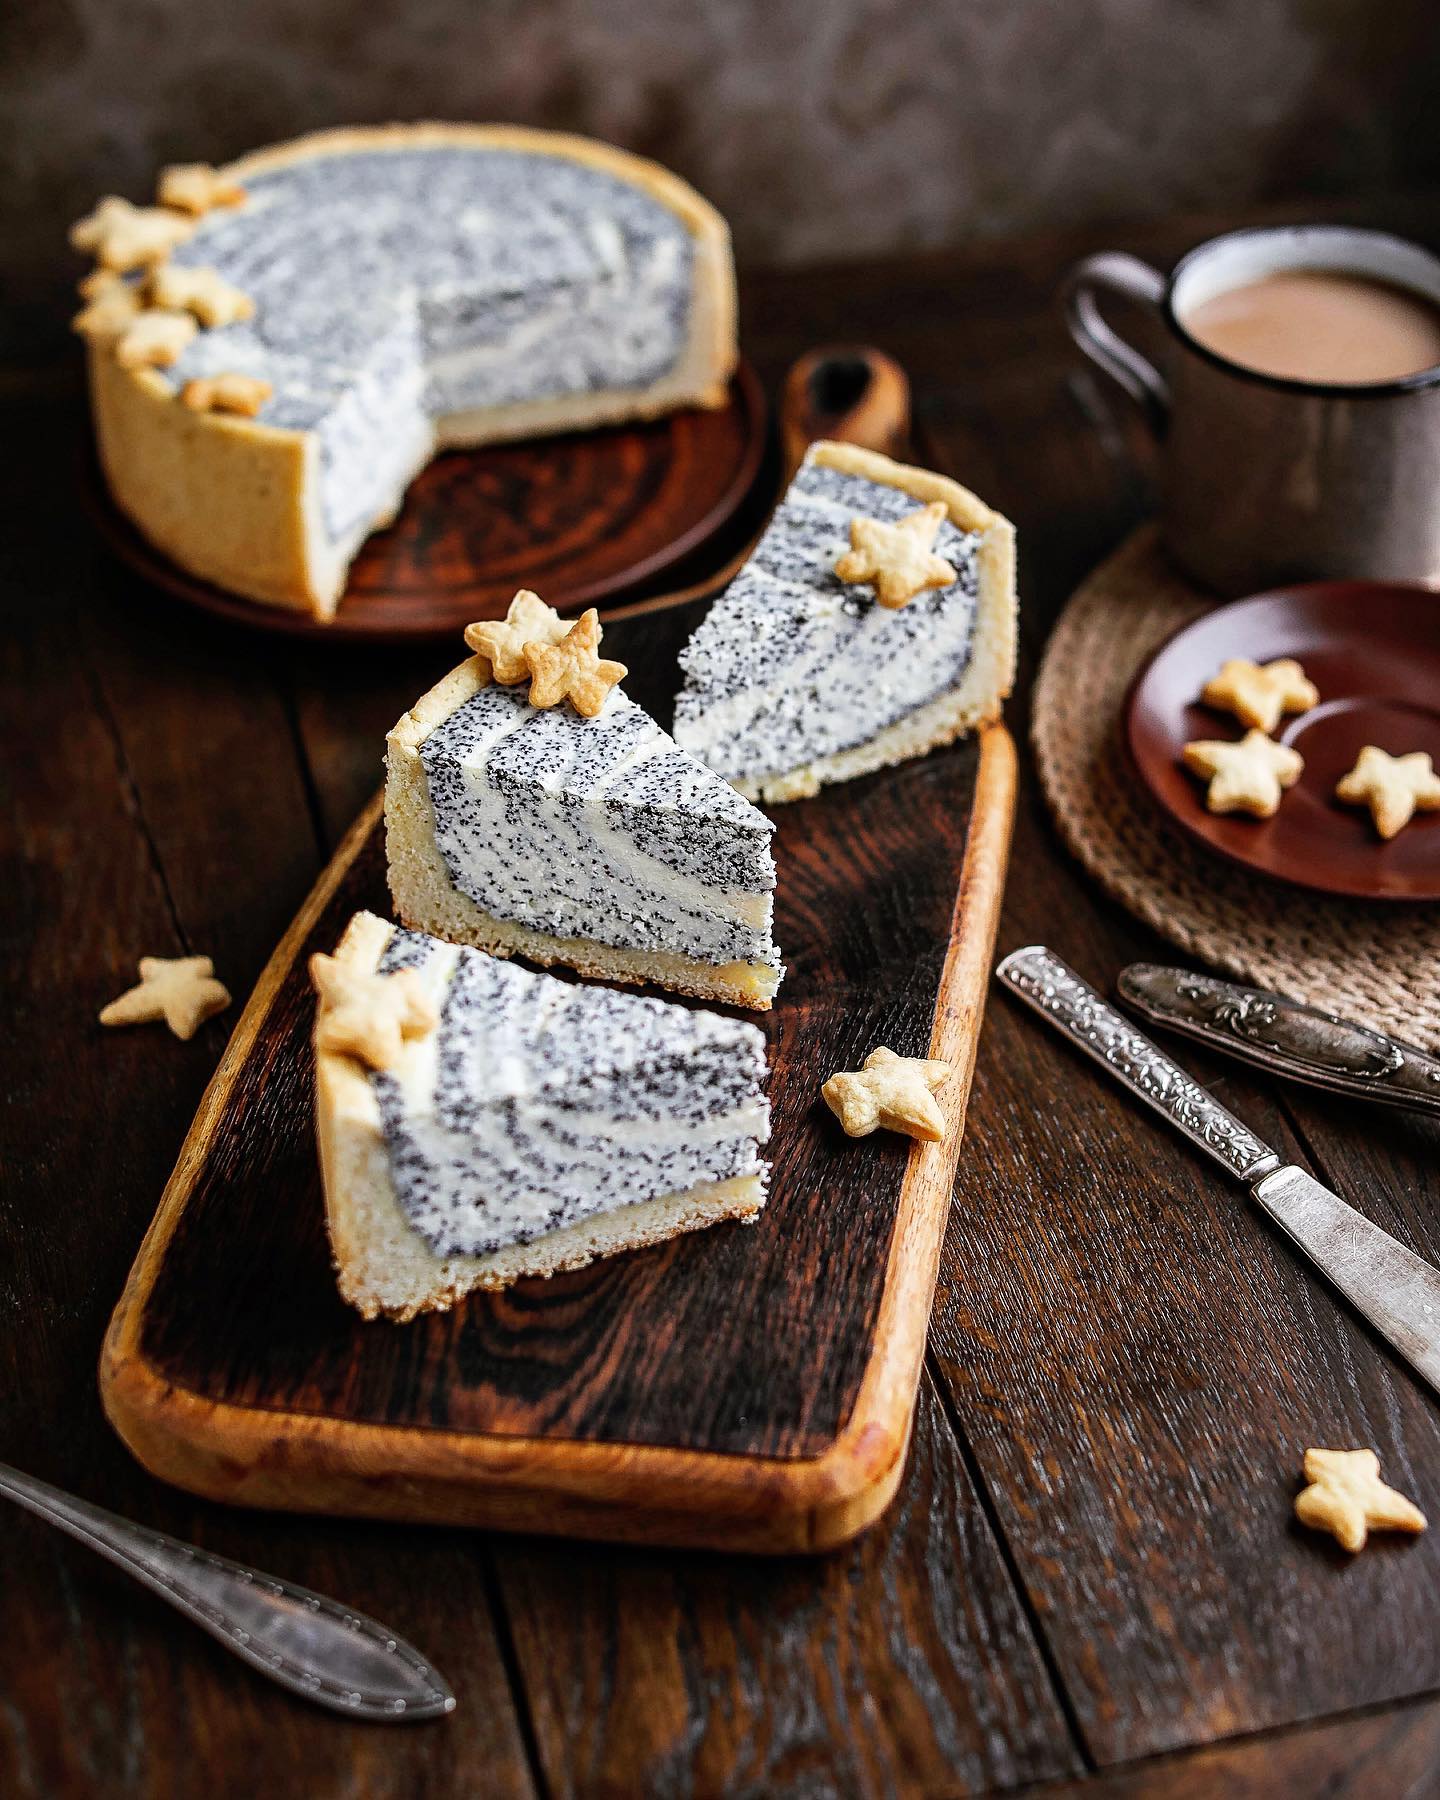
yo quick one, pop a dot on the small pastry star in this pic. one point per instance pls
(181, 990)
(1259, 694)
(367, 1015)
(1347, 1498)
(502, 641)
(196, 187)
(572, 670)
(898, 560)
(1393, 787)
(123, 236)
(204, 292)
(892, 1092)
(109, 311)
(1245, 777)
(154, 340)
(242, 394)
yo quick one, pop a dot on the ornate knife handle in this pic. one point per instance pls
(1284, 1037)
(1058, 994)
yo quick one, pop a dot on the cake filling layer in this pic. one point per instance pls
(645, 848)
(792, 665)
(401, 287)
(537, 1103)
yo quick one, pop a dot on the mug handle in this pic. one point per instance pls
(1114, 272)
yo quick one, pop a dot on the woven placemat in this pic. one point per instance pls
(1374, 962)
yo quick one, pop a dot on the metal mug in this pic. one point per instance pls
(1267, 480)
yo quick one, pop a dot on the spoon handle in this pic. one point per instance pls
(310, 1645)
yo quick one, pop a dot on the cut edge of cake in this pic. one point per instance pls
(384, 1267)
(990, 672)
(233, 500)
(426, 899)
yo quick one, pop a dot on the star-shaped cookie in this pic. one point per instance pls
(122, 236)
(502, 641)
(154, 339)
(1260, 694)
(367, 1015)
(895, 1093)
(1347, 1498)
(204, 292)
(899, 560)
(241, 394)
(1248, 776)
(1395, 788)
(573, 670)
(181, 990)
(196, 188)
(109, 311)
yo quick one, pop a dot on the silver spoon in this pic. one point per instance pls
(309, 1644)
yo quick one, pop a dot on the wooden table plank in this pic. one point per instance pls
(153, 805)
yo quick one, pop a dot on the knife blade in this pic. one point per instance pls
(1392, 1287)
(1303, 1043)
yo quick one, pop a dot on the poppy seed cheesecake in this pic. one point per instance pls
(874, 620)
(590, 841)
(368, 297)
(516, 1124)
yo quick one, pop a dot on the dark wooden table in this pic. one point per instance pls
(1091, 1575)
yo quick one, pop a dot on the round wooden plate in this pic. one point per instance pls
(1373, 650)
(580, 518)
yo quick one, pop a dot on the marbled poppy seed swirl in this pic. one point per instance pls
(791, 664)
(598, 829)
(539, 1103)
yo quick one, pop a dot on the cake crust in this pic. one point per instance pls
(382, 1264)
(234, 501)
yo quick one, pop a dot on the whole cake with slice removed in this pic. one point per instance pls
(557, 821)
(278, 347)
(479, 1122)
(875, 620)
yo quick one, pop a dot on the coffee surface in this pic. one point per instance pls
(1321, 325)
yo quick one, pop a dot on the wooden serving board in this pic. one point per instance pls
(742, 1387)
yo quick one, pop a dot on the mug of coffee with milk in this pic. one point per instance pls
(1299, 409)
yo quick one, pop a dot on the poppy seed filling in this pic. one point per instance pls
(538, 1103)
(598, 829)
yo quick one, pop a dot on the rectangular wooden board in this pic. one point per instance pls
(741, 1387)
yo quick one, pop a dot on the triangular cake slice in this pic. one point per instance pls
(593, 842)
(798, 677)
(527, 1125)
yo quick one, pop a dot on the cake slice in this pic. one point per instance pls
(874, 621)
(524, 827)
(479, 1122)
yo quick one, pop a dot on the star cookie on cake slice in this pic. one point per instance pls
(874, 621)
(1260, 694)
(1248, 776)
(518, 822)
(536, 1125)
(1395, 788)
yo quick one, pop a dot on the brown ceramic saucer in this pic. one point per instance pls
(1373, 650)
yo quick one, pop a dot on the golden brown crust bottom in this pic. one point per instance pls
(231, 499)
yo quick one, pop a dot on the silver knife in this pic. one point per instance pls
(1397, 1291)
(1284, 1037)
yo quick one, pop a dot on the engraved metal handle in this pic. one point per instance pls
(311, 1645)
(1282, 1036)
(1055, 991)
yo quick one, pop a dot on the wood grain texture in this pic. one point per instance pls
(579, 517)
(624, 1399)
